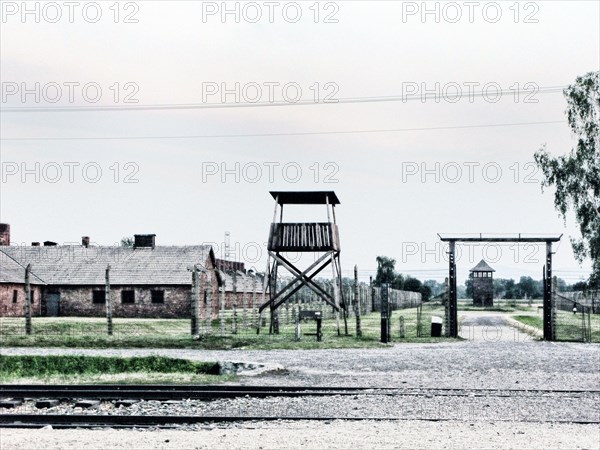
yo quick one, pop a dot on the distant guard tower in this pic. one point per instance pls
(483, 284)
(314, 237)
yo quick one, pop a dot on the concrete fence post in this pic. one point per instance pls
(28, 327)
(209, 308)
(357, 303)
(108, 301)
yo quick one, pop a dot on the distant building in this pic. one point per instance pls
(483, 284)
(242, 287)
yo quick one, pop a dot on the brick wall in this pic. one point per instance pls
(10, 309)
(78, 300)
(239, 298)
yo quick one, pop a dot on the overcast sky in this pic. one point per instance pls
(445, 169)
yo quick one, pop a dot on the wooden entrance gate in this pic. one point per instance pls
(451, 304)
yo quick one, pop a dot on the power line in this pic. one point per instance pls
(424, 97)
(308, 133)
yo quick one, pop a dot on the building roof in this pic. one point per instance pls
(78, 265)
(13, 272)
(482, 267)
(305, 197)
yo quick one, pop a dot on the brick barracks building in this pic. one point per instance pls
(146, 280)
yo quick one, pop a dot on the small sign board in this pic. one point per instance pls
(310, 314)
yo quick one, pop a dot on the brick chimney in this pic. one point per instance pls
(85, 241)
(144, 240)
(4, 234)
(35, 244)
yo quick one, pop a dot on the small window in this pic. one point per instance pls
(32, 297)
(15, 296)
(128, 296)
(98, 297)
(158, 296)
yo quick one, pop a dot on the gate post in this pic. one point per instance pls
(452, 297)
(549, 331)
(446, 308)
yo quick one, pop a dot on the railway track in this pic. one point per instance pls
(209, 392)
(132, 394)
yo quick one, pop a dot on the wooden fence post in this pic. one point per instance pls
(27, 300)
(108, 302)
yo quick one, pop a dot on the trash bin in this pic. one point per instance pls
(436, 326)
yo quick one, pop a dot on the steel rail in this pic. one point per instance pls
(180, 392)
(119, 421)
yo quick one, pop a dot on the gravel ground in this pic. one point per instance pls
(468, 364)
(512, 361)
(319, 435)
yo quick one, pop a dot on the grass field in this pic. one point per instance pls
(568, 325)
(96, 369)
(79, 332)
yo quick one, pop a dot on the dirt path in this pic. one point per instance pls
(483, 326)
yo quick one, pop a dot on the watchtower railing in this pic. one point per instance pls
(304, 237)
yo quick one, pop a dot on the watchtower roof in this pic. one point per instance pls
(305, 197)
(482, 267)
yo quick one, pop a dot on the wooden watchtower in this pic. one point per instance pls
(482, 276)
(304, 237)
